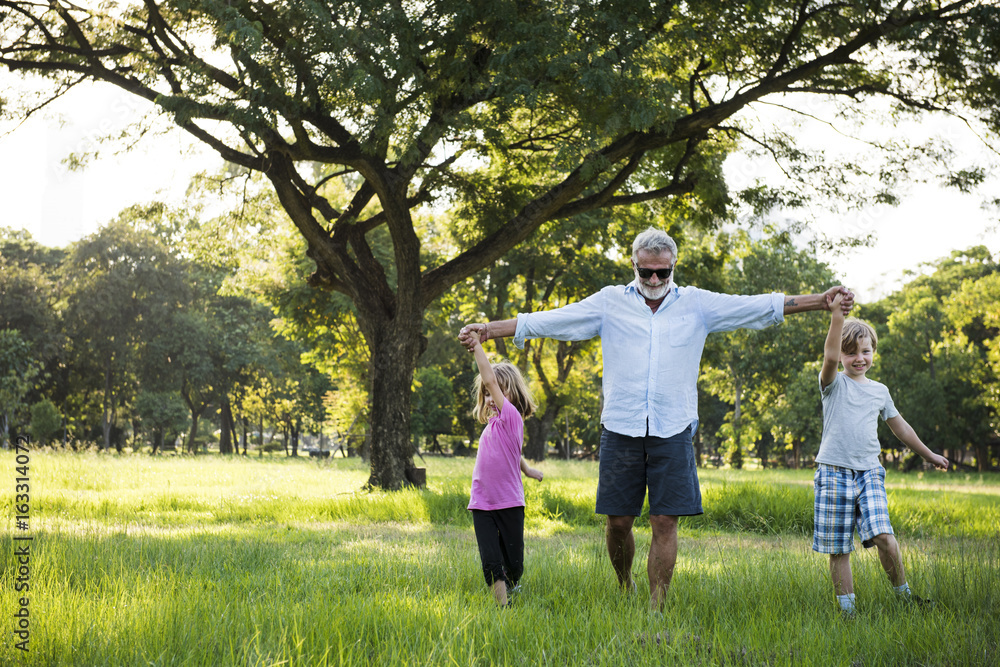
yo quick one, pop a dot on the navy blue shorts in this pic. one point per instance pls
(665, 466)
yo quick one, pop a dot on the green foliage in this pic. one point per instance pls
(27, 296)
(509, 116)
(17, 372)
(162, 412)
(796, 416)
(125, 288)
(432, 403)
(751, 370)
(46, 421)
(935, 354)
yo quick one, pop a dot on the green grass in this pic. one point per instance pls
(139, 560)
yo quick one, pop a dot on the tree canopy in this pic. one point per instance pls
(500, 116)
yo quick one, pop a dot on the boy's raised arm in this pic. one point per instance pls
(831, 349)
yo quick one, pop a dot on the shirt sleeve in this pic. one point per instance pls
(577, 321)
(510, 427)
(888, 410)
(725, 312)
(830, 388)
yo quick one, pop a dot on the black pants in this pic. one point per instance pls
(500, 535)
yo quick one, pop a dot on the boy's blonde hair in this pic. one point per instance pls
(854, 331)
(513, 386)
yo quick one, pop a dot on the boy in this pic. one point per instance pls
(849, 480)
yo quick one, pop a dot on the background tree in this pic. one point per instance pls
(163, 415)
(46, 421)
(432, 407)
(28, 298)
(750, 369)
(974, 312)
(511, 113)
(123, 287)
(17, 372)
(796, 415)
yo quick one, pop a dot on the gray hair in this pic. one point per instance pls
(654, 241)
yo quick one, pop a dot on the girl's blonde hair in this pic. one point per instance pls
(854, 332)
(512, 385)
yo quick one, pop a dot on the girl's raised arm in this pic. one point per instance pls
(487, 375)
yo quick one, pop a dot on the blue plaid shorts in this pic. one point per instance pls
(847, 500)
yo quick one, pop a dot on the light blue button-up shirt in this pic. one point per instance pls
(651, 360)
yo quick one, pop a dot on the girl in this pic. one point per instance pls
(503, 402)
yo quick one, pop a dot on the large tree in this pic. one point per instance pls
(510, 113)
(123, 290)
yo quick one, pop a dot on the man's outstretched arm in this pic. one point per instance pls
(805, 302)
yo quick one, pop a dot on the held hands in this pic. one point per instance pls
(846, 300)
(471, 335)
(834, 304)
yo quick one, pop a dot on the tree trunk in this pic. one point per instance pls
(225, 426)
(699, 453)
(395, 350)
(107, 417)
(567, 444)
(192, 436)
(538, 429)
(196, 412)
(736, 459)
(764, 449)
(982, 458)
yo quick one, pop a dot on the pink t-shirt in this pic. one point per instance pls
(496, 479)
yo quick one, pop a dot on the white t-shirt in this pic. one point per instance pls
(850, 422)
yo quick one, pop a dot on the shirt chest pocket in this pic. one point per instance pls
(682, 330)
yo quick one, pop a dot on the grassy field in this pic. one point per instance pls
(136, 560)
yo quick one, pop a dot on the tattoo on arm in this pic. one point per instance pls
(791, 302)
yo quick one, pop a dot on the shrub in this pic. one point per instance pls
(46, 420)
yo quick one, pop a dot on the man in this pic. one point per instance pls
(652, 336)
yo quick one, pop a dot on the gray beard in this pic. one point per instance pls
(653, 293)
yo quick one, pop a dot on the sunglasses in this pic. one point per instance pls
(646, 274)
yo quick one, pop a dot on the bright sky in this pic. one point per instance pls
(58, 206)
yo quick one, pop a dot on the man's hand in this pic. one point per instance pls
(846, 302)
(471, 334)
